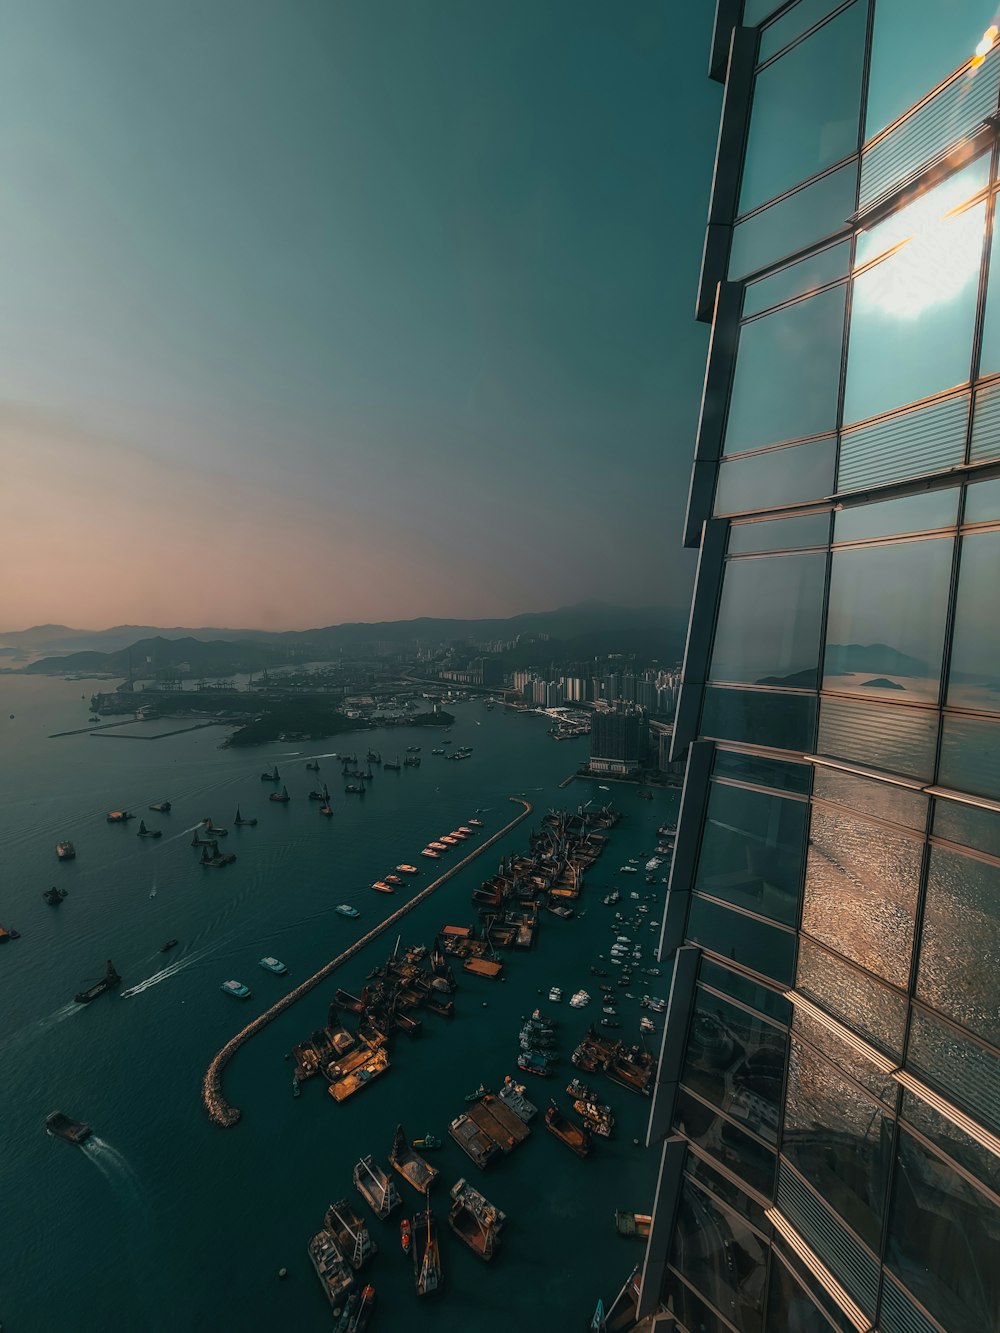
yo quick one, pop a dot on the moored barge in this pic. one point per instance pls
(574, 1136)
(335, 1274)
(475, 1221)
(410, 1165)
(376, 1187)
(351, 1232)
(426, 1254)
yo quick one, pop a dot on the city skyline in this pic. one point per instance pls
(316, 318)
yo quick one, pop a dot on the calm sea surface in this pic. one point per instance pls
(167, 1222)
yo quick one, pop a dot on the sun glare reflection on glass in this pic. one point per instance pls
(935, 265)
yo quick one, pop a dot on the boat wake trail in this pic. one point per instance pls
(166, 973)
(115, 1169)
(34, 1030)
(183, 833)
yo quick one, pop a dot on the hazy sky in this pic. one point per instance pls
(323, 310)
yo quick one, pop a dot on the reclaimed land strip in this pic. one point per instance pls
(160, 735)
(94, 729)
(212, 1095)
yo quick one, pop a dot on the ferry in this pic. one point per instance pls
(408, 870)
(65, 851)
(345, 909)
(429, 852)
(62, 1126)
(273, 965)
(380, 886)
(236, 989)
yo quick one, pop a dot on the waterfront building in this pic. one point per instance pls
(617, 740)
(827, 1110)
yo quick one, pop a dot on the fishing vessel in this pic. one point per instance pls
(428, 1141)
(474, 1220)
(110, 979)
(145, 832)
(410, 1165)
(62, 1126)
(240, 822)
(273, 965)
(345, 909)
(426, 1254)
(161, 807)
(351, 1232)
(273, 776)
(54, 896)
(513, 1095)
(574, 1136)
(534, 1062)
(65, 851)
(633, 1224)
(596, 1117)
(236, 989)
(118, 816)
(481, 1091)
(376, 1187)
(281, 796)
(404, 1234)
(334, 1272)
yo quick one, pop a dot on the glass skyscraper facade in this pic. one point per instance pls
(828, 1103)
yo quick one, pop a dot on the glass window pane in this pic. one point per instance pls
(926, 210)
(895, 518)
(839, 1139)
(789, 1307)
(963, 1071)
(781, 534)
(743, 1155)
(689, 1308)
(860, 1002)
(912, 318)
(942, 1241)
(982, 502)
(791, 24)
(768, 626)
(769, 1002)
(751, 851)
(974, 681)
(960, 942)
(725, 1190)
(763, 772)
(967, 825)
(970, 756)
(983, 1164)
(736, 1062)
(775, 478)
(910, 57)
(876, 735)
(798, 279)
(840, 1053)
(989, 360)
(721, 1257)
(860, 893)
(880, 800)
(885, 627)
(753, 944)
(793, 133)
(760, 717)
(803, 219)
(787, 374)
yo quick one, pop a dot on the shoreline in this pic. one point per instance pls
(220, 1111)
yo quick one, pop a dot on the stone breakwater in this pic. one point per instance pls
(212, 1095)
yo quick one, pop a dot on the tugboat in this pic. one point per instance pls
(54, 896)
(273, 965)
(481, 1091)
(428, 1141)
(404, 1234)
(110, 979)
(65, 851)
(281, 796)
(426, 1254)
(574, 1136)
(273, 776)
(62, 1126)
(145, 832)
(161, 807)
(236, 989)
(240, 822)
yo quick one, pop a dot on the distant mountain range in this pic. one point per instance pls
(582, 630)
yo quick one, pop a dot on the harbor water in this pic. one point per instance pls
(165, 1221)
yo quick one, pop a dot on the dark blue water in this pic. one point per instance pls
(167, 1221)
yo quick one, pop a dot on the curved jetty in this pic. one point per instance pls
(211, 1086)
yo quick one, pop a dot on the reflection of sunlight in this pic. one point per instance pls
(935, 265)
(924, 211)
(985, 46)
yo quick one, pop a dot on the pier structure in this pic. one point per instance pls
(213, 1097)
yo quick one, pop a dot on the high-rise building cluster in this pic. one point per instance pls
(655, 691)
(827, 1111)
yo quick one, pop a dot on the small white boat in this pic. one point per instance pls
(555, 994)
(628, 870)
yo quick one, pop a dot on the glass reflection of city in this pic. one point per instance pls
(828, 1108)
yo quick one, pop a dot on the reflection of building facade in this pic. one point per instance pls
(828, 1104)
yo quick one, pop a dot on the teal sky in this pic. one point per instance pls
(317, 310)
